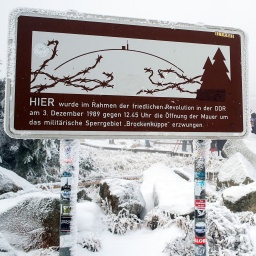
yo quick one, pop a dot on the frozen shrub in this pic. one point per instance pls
(90, 193)
(184, 223)
(247, 217)
(106, 207)
(182, 245)
(86, 165)
(120, 163)
(52, 251)
(152, 221)
(225, 232)
(212, 198)
(91, 242)
(158, 218)
(122, 222)
(163, 218)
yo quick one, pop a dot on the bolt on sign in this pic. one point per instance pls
(74, 75)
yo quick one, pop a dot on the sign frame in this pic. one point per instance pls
(221, 33)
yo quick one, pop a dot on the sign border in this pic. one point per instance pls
(39, 134)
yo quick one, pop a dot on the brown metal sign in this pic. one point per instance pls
(89, 76)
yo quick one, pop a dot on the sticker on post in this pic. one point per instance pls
(200, 229)
(200, 204)
(200, 189)
(65, 210)
(65, 224)
(200, 250)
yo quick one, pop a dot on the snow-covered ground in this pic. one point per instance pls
(154, 171)
(161, 145)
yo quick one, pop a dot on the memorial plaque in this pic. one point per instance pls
(93, 76)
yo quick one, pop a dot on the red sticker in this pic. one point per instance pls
(200, 204)
(200, 240)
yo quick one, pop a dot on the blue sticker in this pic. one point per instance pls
(200, 229)
(65, 195)
(200, 175)
(66, 174)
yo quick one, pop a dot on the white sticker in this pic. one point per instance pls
(41, 50)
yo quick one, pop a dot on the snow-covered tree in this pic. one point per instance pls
(36, 160)
(32, 158)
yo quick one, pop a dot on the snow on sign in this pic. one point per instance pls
(78, 75)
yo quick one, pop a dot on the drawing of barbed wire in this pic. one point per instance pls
(77, 80)
(163, 86)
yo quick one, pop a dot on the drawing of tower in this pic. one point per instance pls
(125, 47)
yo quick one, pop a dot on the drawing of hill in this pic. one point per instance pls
(117, 66)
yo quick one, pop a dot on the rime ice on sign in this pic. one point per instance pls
(41, 50)
(109, 61)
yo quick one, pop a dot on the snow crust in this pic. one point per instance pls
(246, 146)
(123, 188)
(5, 247)
(139, 242)
(250, 141)
(6, 204)
(89, 216)
(233, 194)
(237, 168)
(7, 177)
(170, 146)
(253, 234)
(163, 187)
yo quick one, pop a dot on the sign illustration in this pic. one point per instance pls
(124, 70)
(124, 78)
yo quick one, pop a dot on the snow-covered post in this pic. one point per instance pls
(69, 168)
(201, 155)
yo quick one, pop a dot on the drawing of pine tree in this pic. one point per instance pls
(207, 77)
(215, 80)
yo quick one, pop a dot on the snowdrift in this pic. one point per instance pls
(11, 182)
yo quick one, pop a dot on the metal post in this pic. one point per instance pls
(201, 150)
(69, 168)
